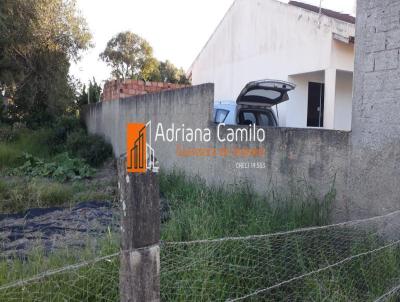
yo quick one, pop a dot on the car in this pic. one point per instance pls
(254, 104)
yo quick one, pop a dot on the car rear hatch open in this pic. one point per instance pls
(265, 92)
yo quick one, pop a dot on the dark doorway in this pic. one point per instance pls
(316, 92)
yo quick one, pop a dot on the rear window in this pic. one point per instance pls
(259, 118)
(249, 118)
(269, 94)
(266, 119)
(220, 115)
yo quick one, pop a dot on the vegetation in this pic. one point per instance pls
(49, 144)
(63, 168)
(97, 282)
(39, 39)
(51, 166)
(198, 212)
(18, 194)
(88, 95)
(131, 57)
(221, 270)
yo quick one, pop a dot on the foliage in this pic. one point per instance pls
(63, 168)
(38, 40)
(171, 74)
(22, 140)
(56, 136)
(94, 91)
(66, 135)
(8, 134)
(92, 148)
(131, 57)
(9, 157)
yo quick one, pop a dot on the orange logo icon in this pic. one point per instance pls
(136, 160)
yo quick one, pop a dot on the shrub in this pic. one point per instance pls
(56, 136)
(63, 168)
(92, 148)
(9, 157)
(8, 134)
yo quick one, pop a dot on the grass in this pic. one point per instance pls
(28, 141)
(23, 186)
(201, 212)
(18, 194)
(94, 282)
(217, 271)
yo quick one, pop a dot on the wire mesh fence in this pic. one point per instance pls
(352, 261)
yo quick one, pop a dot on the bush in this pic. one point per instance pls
(9, 157)
(8, 134)
(63, 168)
(92, 148)
(57, 136)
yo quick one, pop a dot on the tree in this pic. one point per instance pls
(39, 39)
(171, 74)
(94, 91)
(130, 56)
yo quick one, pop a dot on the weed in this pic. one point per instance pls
(201, 212)
(63, 168)
(18, 194)
(216, 272)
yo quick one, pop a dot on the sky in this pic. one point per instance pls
(176, 29)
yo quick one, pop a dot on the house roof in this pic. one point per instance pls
(326, 12)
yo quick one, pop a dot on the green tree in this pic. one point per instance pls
(130, 56)
(94, 91)
(39, 39)
(171, 74)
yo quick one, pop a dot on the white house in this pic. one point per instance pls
(296, 42)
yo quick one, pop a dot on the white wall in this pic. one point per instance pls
(344, 97)
(297, 107)
(260, 39)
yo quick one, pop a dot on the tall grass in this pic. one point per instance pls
(201, 212)
(222, 270)
(25, 141)
(94, 282)
(18, 194)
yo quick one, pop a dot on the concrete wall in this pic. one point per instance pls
(269, 39)
(291, 154)
(366, 161)
(375, 160)
(190, 106)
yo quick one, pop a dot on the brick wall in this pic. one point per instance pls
(114, 90)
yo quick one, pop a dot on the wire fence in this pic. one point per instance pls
(351, 261)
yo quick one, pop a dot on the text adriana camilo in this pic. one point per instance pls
(224, 134)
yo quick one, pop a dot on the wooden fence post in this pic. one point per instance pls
(139, 277)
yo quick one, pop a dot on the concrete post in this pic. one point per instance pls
(140, 235)
(330, 97)
(375, 150)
